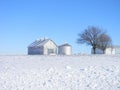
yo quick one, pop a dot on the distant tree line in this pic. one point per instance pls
(95, 37)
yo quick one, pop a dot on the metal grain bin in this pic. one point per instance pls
(65, 49)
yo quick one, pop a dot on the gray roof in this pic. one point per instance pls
(39, 43)
(66, 44)
(115, 46)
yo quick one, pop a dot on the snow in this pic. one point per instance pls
(82, 72)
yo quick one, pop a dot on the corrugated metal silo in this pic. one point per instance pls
(65, 49)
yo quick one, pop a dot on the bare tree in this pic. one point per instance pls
(104, 41)
(90, 37)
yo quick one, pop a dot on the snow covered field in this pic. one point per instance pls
(84, 72)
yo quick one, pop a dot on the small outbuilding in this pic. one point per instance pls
(112, 50)
(65, 49)
(42, 47)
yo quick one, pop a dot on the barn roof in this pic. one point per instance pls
(40, 42)
(66, 44)
(115, 46)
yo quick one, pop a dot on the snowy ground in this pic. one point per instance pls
(84, 72)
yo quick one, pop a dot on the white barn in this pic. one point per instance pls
(42, 47)
(109, 50)
(113, 50)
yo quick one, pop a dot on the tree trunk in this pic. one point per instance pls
(104, 51)
(94, 50)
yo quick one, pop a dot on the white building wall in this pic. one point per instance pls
(110, 51)
(50, 45)
(117, 51)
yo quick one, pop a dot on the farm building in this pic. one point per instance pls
(109, 50)
(113, 50)
(65, 49)
(42, 47)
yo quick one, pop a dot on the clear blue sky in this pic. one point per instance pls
(23, 21)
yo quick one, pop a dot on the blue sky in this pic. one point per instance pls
(23, 21)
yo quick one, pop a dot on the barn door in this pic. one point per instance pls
(50, 51)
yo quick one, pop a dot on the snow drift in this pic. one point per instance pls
(84, 72)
